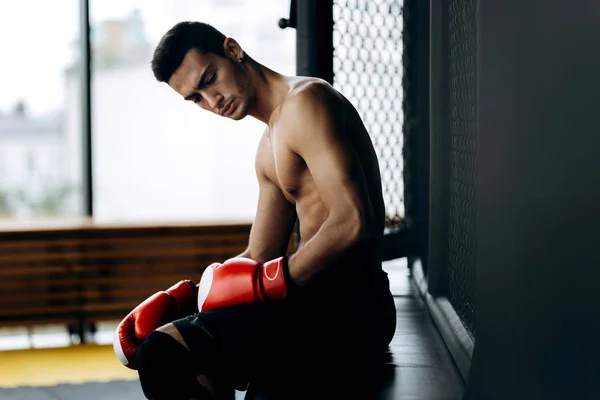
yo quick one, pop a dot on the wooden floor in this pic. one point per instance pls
(423, 367)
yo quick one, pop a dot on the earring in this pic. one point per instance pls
(242, 59)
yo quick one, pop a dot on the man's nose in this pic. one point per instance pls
(214, 100)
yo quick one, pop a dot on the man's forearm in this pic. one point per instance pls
(245, 254)
(323, 249)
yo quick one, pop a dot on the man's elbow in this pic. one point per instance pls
(355, 229)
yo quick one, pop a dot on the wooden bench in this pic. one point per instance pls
(87, 273)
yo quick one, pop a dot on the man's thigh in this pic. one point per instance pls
(299, 336)
(235, 340)
(258, 338)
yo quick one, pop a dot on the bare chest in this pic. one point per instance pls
(289, 170)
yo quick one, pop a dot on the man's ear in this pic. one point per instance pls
(233, 50)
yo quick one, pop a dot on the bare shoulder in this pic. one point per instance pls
(307, 87)
(310, 94)
(310, 105)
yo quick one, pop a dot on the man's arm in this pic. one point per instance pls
(309, 129)
(275, 216)
(314, 134)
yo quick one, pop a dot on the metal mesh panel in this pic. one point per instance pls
(368, 70)
(461, 57)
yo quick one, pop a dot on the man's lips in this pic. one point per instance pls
(227, 108)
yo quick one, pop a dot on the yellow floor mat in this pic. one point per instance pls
(51, 366)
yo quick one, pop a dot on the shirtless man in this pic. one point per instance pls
(285, 323)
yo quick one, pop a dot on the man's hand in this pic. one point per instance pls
(241, 281)
(162, 307)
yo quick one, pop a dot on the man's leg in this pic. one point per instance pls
(218, 387)
(215, 349)
(167, 370)
(327, 337)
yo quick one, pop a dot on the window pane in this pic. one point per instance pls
(157, 157)
(40, 125)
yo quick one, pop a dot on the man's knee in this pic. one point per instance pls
(166, 368)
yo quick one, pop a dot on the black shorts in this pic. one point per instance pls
(321, 327)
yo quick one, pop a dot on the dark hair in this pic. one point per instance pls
(181, 38)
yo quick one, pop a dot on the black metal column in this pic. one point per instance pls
(86, 119)
(314, 38)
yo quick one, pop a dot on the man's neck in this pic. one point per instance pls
(271, 88)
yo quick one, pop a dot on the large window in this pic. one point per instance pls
(156, 157)
(40, 125)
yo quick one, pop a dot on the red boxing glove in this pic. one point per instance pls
(162, 307)
(242, 281)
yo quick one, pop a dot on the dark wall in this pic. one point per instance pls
(454, 155)
(538, 269)
(460, 166)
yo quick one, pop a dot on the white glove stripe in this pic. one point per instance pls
(204, 286)
(119, 350)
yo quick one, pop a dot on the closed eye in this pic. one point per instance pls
(196, 98)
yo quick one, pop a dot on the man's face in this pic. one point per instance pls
(217, 84)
